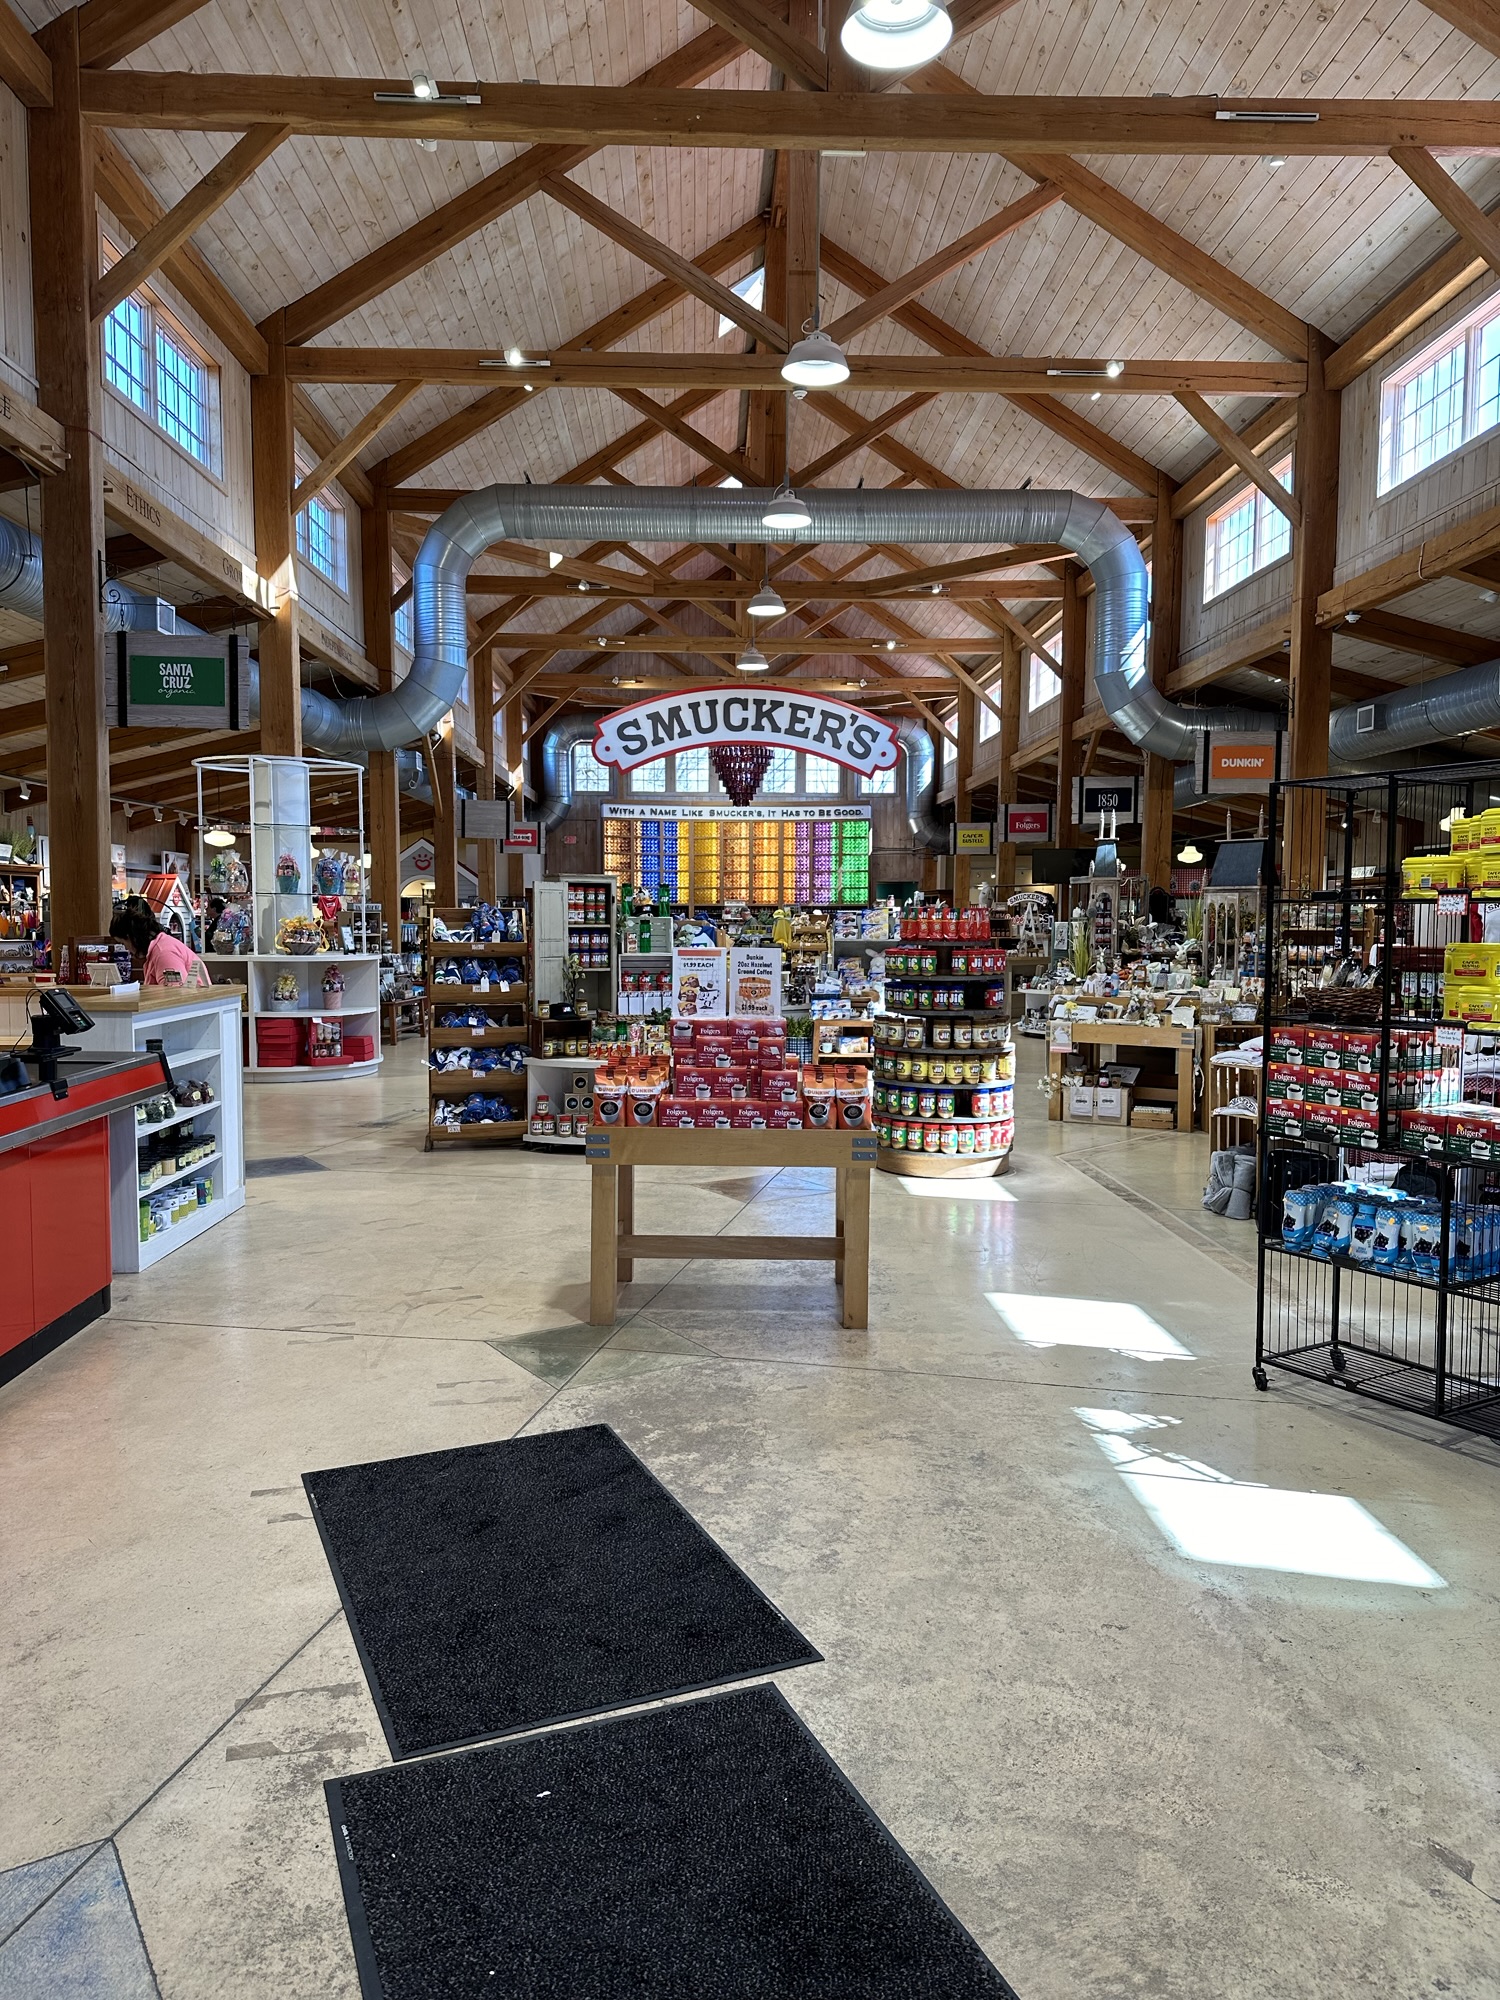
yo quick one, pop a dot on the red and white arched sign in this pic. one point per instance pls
(780, 718)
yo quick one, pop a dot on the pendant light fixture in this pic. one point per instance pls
(753, 660)
(766, 603)
(1189, 855)
(816, 361)
(785, 510)
(896, 34)
(218, 836)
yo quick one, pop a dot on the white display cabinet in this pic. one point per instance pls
(278, 847)
(574, 917)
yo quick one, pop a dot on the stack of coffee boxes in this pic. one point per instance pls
(1324, 1083)
(732, 1075)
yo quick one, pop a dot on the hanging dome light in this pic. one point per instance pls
(218, 836)
(785, 510)
(1189, 855)
(753, 661)
(766, 603)
(816, 361)
(896, 34)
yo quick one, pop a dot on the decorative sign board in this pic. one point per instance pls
(193, 681)
(1028, 823)
(483, 819)
(973, 837)
(1105, 798)
(779, 718)
(665, 809)
(1233, 765)
(700, 984)
(755, 982)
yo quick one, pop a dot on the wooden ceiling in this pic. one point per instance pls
(1196, 252)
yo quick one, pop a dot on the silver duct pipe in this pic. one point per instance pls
(920, 761)
(1407, 718)
(557, 768)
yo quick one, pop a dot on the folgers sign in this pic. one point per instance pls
(780, 718)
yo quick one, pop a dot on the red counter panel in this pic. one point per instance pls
(70, 1258)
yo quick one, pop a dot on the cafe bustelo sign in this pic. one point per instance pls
(779, 718)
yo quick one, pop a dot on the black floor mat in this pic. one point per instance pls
(503, 1586)
(283, 1163)
(710, 1850)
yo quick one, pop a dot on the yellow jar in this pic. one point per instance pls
(921, 1069)
(938, 1070)
(903, 1069)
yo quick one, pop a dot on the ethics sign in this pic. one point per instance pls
(780, 718)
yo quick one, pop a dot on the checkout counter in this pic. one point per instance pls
(55, 1224)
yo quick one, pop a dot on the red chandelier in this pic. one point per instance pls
(741, 766)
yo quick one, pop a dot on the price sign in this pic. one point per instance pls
(1452, 906)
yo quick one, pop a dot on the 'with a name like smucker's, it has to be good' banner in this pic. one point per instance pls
(779, 718)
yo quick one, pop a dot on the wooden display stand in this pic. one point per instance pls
(503, 1005)
(614, 1154)
(1124, 1035)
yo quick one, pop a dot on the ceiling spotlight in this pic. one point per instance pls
(422, 86)
(218, 836)
(766, 603)
(583, 584)
(1114, 370)
(1189, 855)
(896, 34)
(890, 645)
(816, 361)
(1094, 397)
(753, 661)
(937, 589)
(785, 510)
(428, 145)
(1277, 161)
(156, 814)
(25, 793)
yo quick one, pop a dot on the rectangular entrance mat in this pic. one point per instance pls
(500, 1587)
(708, 1850)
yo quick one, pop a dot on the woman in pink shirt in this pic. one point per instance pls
(168, 961)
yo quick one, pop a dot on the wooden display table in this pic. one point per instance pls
(1124, 1035)
(615, 1153)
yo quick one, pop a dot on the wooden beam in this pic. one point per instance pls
(30, 433)
(347, 449)
(177, 540)
(456, 220)
(1230, 443)
(1438, 283)
(1415, 635)
(877, 427)
(24, 67)
(315, 430)
(1314, 552)
(123, 190)
(1443, 554)
(878, 305)
(1043, 375)
(63, 257)
(662, 420)
(273, 462)
(645, 640)
(109, 30)
(1270, 427)
(1475, 18)
(1231, 656)
(1009, 743)
(945, 338)
(617, 325)
(482, 583)
(682, 271)
(177, 225)
(1480, 231)
(758, 27)
(640, 115)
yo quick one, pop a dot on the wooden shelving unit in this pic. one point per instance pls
(506, 1009)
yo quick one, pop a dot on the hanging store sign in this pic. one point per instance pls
(483, 819)
(779, 718)
(193, 681)
(973, 837)
(1236, 764)
(1028, 823)
(1105, 798)
(666, 808)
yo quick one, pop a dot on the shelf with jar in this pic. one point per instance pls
(477, 976)
(944, 1058)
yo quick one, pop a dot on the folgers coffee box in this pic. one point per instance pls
(1360, 1126)
(751, 1117)
(784, 1118)
(1285, 1083)
(1324, 1086)
(1284, 1118)
(1286, 1045)
(675, 1112)
(1359, 1093)
(1323, 1048)
(1323, 1121)
(1473, 1134)
(716, 1115)
(780, 1086)
(1424, 1132)
(1361, 1054)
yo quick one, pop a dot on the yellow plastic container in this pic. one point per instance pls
(1489, 826)
(1464, 833)
(1470, 1003)
(1482, 866)
(1434, 874)
(1468, 963)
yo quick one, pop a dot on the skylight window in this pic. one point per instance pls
(752, 289)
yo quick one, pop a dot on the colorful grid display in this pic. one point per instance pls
(764, 862)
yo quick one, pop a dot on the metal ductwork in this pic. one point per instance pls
(1408, 718)
(919, 761)
(557, 767)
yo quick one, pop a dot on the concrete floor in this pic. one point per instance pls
(1129, 1770)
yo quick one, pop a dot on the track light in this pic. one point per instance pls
(25, 793)
(156, 814)
(816, 361)
(1114, 370)
(766, 603)
(422, 86)
(554, 557)
(753, 661)
(784, 510)
(896, 34)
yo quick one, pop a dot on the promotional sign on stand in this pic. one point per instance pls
(755, 982)
(700, 984)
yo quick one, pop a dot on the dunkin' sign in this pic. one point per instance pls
(780, 718)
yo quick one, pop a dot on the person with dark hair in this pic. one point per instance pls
(165, 960)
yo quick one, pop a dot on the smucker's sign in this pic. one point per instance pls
(780, 718)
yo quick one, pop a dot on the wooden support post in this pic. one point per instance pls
(1074, 664)
(380, 650)
(445, 821)
(1010, 743)
(515, 767)
(801, 241)
(765, 422)
(482, 681)
(274, 475)
(1166, 631)
(64, 257)
(1314, 549)
(962, 789)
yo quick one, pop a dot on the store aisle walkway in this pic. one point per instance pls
(1171, 1688)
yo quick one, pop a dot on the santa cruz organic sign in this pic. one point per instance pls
(780, 718)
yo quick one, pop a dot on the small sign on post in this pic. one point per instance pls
(193, 681)
(973, 837)
(1028, 823)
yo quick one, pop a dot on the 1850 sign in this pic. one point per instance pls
(779, 718)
